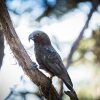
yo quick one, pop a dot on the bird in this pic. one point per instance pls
(48, 58)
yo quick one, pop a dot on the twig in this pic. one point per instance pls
(60, 88)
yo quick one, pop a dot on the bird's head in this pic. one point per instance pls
(39, 37)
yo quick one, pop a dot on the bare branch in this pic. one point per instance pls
(60, 88)
(76, 42)
(22, 57)
(1, 48)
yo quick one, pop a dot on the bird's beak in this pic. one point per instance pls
(31, 37)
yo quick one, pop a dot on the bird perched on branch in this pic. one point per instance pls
(48, 59)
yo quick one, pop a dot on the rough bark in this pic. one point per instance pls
(1, 48)
(29, 67)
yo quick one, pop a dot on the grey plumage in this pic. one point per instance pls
(48, 58)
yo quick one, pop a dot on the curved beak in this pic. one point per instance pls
(31, 37)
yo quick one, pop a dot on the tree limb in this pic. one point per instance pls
(1, 48)
(22, 57)
(95, 4)
(60, 88)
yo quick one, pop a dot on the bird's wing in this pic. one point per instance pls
(53, 62)
(55, 65)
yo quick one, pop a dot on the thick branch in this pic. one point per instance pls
(1, 48)
(95, 4)
(22, 57)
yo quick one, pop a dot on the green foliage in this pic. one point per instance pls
(89, 45)
(86, 45)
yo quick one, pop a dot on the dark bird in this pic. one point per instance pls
(48, 59)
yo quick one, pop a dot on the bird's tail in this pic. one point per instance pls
(72, 95)
(66, 79)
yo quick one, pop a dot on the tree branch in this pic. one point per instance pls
(60, 88)
(22, 57)
(95, 4)
(1, 48)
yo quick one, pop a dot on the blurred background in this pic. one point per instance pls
(74, 29)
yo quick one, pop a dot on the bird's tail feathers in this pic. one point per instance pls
(66, 79)
(68, 83)
(72, 95)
